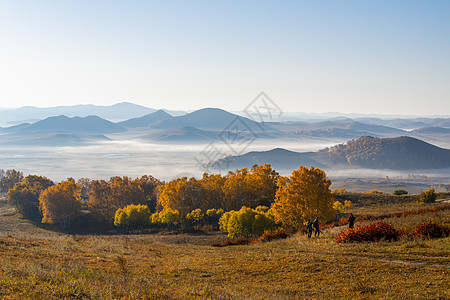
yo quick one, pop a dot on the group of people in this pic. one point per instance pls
(314, 226)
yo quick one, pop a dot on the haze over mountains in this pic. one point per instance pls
(86, 124)
(116, 113)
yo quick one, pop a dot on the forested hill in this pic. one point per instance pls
(391, 153)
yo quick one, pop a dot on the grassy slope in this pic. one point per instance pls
(39, 265)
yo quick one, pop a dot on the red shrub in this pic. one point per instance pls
(431, 229)
(372, 232)
(239, 241)
(276, 234)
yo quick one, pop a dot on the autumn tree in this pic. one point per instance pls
(132, 217)
(9, 178)
(61, 203)
(85, 187)
(250, 188)
(25, 194)
(263, 182)
(239, 188)
(213, 215)
(106, 197)
(181, 194)
(304, 195)
(213, 196)
(167, 216)
(148, 186)
(247, 222)
(195, 216)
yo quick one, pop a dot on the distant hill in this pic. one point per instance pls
(209, 119)
(432, 130)
(115, 113)
(400, 153)
(408, 123)
(279, 158)
(186, 134)
(146, 120)
(86, 125)
(343, 128)
(50, 139)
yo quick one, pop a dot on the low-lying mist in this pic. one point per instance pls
(136, 158)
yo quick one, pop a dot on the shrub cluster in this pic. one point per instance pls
(428, 196)
(384, 231)
(372, 232)
(267, 236)
(431, 229)
(239, 241)
(276, 234)
(400, 192)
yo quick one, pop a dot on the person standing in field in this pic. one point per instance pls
(309, 228)
(316, 227)
(351, 220)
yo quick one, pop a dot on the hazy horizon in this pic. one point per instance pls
(356, 57)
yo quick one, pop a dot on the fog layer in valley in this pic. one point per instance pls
(163, 161)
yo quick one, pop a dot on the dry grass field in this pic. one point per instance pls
(36, 263)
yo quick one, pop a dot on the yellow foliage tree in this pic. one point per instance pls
(132, 217)
(59, 204)
(304, 195)
(247, 222)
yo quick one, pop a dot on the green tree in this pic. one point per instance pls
(304, 195)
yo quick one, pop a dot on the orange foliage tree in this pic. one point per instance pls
(181, 194)
(25, 194)
(250, 188)
(239, 188)
(304, 195)
(61, 203)
(106, 197)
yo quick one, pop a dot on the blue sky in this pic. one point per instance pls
(308, 56)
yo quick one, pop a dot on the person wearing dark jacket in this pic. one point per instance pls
(316, 227)
(309, 228)
(351, 221)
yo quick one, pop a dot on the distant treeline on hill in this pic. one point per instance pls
(391, 153)
(401, 153)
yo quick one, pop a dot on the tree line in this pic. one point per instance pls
(243, 202)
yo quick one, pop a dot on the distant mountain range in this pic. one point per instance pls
(201, 126)
(117, 112)
(401, 153)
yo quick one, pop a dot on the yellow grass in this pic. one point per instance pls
(38, 265)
